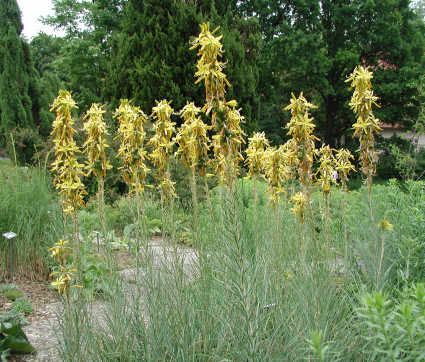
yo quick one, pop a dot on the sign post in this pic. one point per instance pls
(10, 236)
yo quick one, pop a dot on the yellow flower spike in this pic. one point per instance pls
(385, 225)
(162, 144)
(366, 125)
(209, 68)
(275, 171)
(132, 148)
(300, 205)
(301, 128)
(96, 142)
(225, 118)
(192, 139)
(343, 164)
(64, 279)
(67, 169)
(326, 170)
(255, 153)
(61, 252)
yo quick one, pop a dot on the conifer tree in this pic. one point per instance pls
(153, 59)
(19, 81)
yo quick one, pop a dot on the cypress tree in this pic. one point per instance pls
(19, 81)
(153, 61)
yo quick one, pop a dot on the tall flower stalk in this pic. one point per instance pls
(134, 156)
(385, 226)
(67, 170)
(193, 146)
(343, 168)
(226, 119)
(255, 156)
(162, 145)
(301, 128)
(366, 126)
(97, 162)
(325, 176)
(276, 172)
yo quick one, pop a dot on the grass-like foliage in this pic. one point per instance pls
(29, 210)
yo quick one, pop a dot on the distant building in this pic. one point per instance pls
(388, 130)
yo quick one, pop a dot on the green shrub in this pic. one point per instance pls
(394, 330)
(23, 305)
(14, 317)
(12, 294)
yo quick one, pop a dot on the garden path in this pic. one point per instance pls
(44, 333)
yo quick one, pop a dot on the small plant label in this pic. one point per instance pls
(9, 235)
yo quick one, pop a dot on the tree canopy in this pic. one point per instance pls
(312, 46)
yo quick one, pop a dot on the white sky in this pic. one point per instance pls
(31, 11)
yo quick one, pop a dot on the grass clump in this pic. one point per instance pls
(13, 294)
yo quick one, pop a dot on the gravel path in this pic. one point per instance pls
(43, 334)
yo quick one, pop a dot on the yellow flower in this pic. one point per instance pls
(64, 278)
(60, 251)
(300, 205)
(385, 225)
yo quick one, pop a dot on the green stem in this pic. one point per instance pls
(210, 206)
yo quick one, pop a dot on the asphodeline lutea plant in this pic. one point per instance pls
(162, 144)
(95, 145)
(97, 162)
(300, 205)
(210, 68)
(225, 118)
(67, 170)
(193, 145)
(275, 170)
(132, 149)
(192, 139)
(134, 156)
(343, 168)
(366, 125)
(301, 128)
(67, 178)
(64, 280)
(326, 176)
(64, 276)
(255, 153)
(60, 251)
(255, 156)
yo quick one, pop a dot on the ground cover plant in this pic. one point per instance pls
(290, 264)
